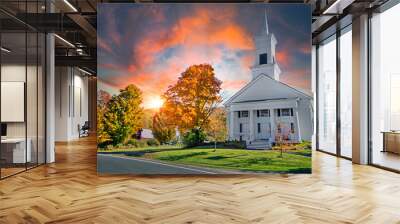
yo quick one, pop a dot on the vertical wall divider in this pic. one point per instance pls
(37, 90)
(338, 91)
(369, 98)
(1, 165)
(45, 94)
(73, 92)
(26, 86)
(317, 97)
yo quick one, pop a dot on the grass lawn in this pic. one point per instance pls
(292, 161)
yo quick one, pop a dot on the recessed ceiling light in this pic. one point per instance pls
(70, 5)
(328, 10)
(5, 50)
(64, 40)
(84, 71)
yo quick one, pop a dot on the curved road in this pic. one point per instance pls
(118, 164)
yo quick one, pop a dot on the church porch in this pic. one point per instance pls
(262, 124)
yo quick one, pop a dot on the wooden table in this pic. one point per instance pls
(13, 150)
(391, 141)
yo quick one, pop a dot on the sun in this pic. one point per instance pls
(156, 102)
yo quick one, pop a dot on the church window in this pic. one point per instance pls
(292, 127)
(291, 112)
(240, 127)
(258, 113)
(245, 113)
(263, 59)
(264, 113)
(285, 112)
(258, 127)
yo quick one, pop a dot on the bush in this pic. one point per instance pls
(109, 147)
(236, 144)
(194, 137)
(133, 142)
(136, 143)
(119, 146)
(304, 145)
(141, 144)
(153, 142)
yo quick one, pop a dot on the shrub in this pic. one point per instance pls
(153, 142)
(119, 146)
(304, 145)
(136, 143)
(194, 137)
(133, 142)
(235, 144)
(109, 147)
(141, 144)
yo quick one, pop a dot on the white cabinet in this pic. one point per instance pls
(19, 155)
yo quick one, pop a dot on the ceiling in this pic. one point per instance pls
(74, 21)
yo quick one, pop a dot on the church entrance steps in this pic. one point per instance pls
(259, 144)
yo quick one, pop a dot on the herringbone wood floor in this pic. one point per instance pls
(70, 191)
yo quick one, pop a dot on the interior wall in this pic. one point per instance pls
(71, 102)
(13, 73)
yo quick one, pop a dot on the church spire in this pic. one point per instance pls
(266, 22)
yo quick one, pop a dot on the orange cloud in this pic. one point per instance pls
(248, 61)
(203, 37)
(297, 77)
(234, 84)
(201, 28)
(283, 58)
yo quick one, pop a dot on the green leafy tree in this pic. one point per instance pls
(194, 137)
(103, 98)
(123, 117)
(163, 131)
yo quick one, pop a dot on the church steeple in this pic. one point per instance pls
(265, 53)
(266, 22)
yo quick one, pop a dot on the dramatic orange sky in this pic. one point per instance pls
(150, 45)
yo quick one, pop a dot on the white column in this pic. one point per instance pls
(360, 90)
(296, 110)
(50, 91)
(231, 124)
(272, 120)
(251, 125)
(50, 107)
(313, 106)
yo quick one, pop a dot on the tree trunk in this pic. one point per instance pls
(215, 143)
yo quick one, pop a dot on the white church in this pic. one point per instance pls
(267, 111)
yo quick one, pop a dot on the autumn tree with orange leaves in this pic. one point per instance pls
(191, 101)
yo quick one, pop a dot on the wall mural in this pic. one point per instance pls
(204, 88)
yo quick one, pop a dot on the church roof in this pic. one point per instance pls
(261, 100)
(265, 88)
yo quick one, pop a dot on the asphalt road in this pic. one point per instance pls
(118, 164)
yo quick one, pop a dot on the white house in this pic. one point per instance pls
(267, 110)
